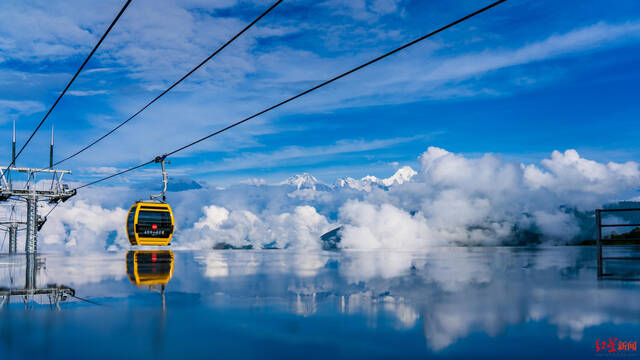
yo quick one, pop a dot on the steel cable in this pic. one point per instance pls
(327, 82)
(113, 23)
(172, 86)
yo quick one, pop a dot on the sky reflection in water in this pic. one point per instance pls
(449, 302)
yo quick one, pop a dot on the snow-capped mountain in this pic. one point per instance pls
(306, 181)
(346, 182)
(403, 175)
(370, 182)
(364, 184)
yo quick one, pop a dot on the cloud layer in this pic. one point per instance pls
(451, 200)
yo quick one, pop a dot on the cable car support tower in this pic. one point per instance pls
(31, 194)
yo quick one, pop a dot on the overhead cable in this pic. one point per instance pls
(172, 86)
(113, 23)
(301, 93)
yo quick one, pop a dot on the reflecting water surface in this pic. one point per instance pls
(445, 303)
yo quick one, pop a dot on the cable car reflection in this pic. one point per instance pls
(150, 268)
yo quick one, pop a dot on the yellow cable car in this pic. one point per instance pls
(149, 268)
(150, 223)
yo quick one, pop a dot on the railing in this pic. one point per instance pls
(599, 239)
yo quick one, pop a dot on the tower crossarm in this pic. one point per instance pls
(34, 170)
(57, 191)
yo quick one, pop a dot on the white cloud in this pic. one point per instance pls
(452, 200)
(79, 226)
(369, 10)
(12, 109)
(589, 38)
(567, 172)
(370, 226)
(158, 41)
(460, 200)
(306, 155)
(300, 229)
(423, 74)
(101, 170)
(87, 92)
(41, 31)
(556, 224)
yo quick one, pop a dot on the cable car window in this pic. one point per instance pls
(155, 217)
(130, 220)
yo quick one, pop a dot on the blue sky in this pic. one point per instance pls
(521, 80)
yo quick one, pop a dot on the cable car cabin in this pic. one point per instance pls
(150, 223)
(147, 267)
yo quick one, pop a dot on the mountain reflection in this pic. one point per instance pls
(446, 294)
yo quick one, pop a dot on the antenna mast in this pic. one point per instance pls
(13, 144)
(51, 150)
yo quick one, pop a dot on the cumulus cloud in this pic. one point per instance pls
(556, 224)
(301, 228)
(568, 172)
(371, 226)
(487, 200)
(85, 227)
(451, 199)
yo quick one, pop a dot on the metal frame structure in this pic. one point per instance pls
(11, 226)
(58, 191)
(599, 239)
(55, 293)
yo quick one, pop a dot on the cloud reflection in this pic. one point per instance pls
(445, 293)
